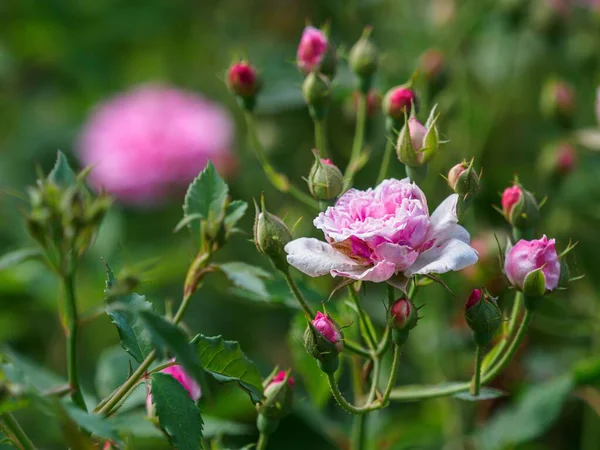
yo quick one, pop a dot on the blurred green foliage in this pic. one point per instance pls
(58, 58)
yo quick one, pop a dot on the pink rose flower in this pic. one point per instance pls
(375, 234)
(328, 329)
(527, 256)
(312, 49)
(188, 383)
(152, 141)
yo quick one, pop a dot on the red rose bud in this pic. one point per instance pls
(463, 180)
(278, 402)
(325, 180)
(519, 207)
(244, 82)
(566, 158)
(324, 340)
(398, 102)
(316, 53)
(558, 101)
(483, 316)
(403, 316)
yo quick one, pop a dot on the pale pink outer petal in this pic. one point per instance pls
(444, 222)
(453, 254)
(315, 258)
(417, 133)
(381, 271)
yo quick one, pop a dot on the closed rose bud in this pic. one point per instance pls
(270, 236)
(558, 101)
(533, 266)
(325, 180)
(243, 80)
(557, 160)
(483, 316)
(323, 340)
(463, 180)
(311, 50)
(417, 145)
(316, 90)
(398, 102)
(278, 402)
(520, 207)
(566, 159)
(403, 316)
(364, 60)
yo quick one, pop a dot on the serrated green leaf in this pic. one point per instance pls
(529, 417)
(177, 413)
(246, 277)
(166, 335)
(62, 174)
(205, 197)
(234, 212)
(124, 310)
(12, 259)
(226, 362)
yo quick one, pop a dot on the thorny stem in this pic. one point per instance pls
(297, 294)
(475, 384)
(278, 180)
(359, 134)
(22, 439)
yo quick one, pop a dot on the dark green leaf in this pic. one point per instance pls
(166, 335)
(246, 277)
(234, 212)
(225, 361)
(205, 197)
(15, 258)
(25, 372)
(177, 413)
(61, 174)
(123, 310)
(529, 417)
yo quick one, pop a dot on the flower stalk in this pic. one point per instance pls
(19, 434)
(357, 145)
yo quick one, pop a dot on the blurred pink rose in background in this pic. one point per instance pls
(151, 142)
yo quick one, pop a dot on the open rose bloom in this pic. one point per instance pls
(384, 234)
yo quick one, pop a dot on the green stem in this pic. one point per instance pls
(335, 390)
(413, 393)
(297, 294)
(359, 135)
(71, 330)
(278, 180)
(21, 438)
(367, 333)
(385, 162)
(356, 348)
(358, 432)
(320, 137)
(476, 383)
(374, 380)
(262, 441)
(393, 375)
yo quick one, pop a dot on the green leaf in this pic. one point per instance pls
(215, 427)
(234, 212)
(485, 393)
(93, 423)
(205, 197)
(61, 174)
(27, 373)
(529, 417)
(166, 335)
(225, 361)
(12, 259)
(124, 310)
(246, 277)
(177, 413)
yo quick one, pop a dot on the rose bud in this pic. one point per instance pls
(188, 383)
(316, 53)
(433, 67)
(417, 145)
(520, 207)
(324, 341)
(463, 180)
(399, 101)
(279, 399)
(325, 180)
(558, 160)
(558, 101)
(243, 80)
(270, 236)
(483, 316)
(533, 266)
(373, 103)
(364, 60)
(316, 90)
(403, 316)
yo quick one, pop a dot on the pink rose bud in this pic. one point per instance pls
(463, 180)
(278, 403)
(558, 101)
(312, 49)
(278, 379)
(398, 101)
(243, 80)
(188, 383)
(404, 318)
(566, 158)
(417, 133)
(529, 256)
(329, 330)
(510, 197)
(474, 298)
(432, 64)
(483, 316)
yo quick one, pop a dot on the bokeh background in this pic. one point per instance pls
(59, 59)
